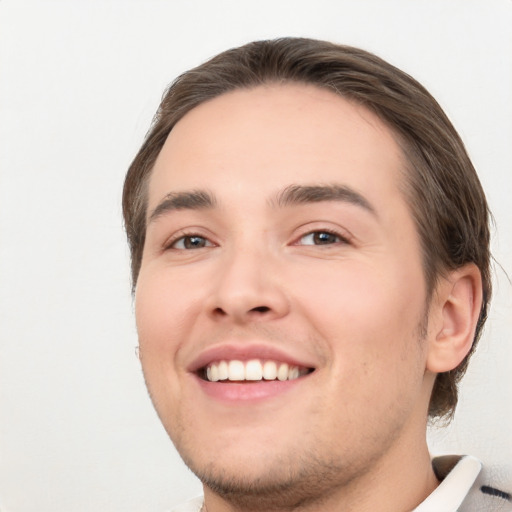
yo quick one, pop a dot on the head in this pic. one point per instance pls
(438, 180)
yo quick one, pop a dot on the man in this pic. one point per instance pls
(310, 260)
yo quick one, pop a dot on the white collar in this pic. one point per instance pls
(454, 488)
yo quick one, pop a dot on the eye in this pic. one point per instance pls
(321, 238)
(190, 242)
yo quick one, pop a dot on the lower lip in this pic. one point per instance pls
(247, 391)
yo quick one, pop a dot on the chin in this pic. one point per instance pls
(233, 464)
(268, 479)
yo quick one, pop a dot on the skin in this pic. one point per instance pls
(351, 435)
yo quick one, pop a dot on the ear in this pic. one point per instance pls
(457, 302)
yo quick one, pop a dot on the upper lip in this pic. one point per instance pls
(245, 352)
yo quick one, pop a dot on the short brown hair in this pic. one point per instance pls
(441, 185)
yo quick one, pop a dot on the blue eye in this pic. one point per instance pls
(321, 238)
(191, 242)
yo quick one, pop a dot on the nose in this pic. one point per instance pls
(248, 288)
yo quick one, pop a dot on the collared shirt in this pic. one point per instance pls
(464, 487)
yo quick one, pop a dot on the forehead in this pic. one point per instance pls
(270, 136)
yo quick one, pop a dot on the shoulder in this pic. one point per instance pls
(473, 486)
(193, 505)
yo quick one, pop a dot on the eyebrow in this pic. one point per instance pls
(290, 196)
(303, 194)
(190, 200)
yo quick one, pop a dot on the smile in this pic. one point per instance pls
(252, 370)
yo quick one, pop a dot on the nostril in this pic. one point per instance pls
(261, 309)
(239, 312)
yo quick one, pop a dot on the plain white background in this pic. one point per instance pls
(79, 84)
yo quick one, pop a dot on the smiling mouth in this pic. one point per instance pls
(253, 370)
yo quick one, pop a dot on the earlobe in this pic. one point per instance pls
(458, 299)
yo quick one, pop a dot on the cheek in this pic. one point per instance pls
(365, 313)
(160, 311)
(368, 323)
(354, 291)
(161, 305)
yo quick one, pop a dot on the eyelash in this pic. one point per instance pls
(171, 244)
(342, 239)
(183, 237)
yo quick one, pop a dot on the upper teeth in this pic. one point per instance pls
(252, 370)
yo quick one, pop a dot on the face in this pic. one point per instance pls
(281, 297)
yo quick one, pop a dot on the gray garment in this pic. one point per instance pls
(485, 494)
